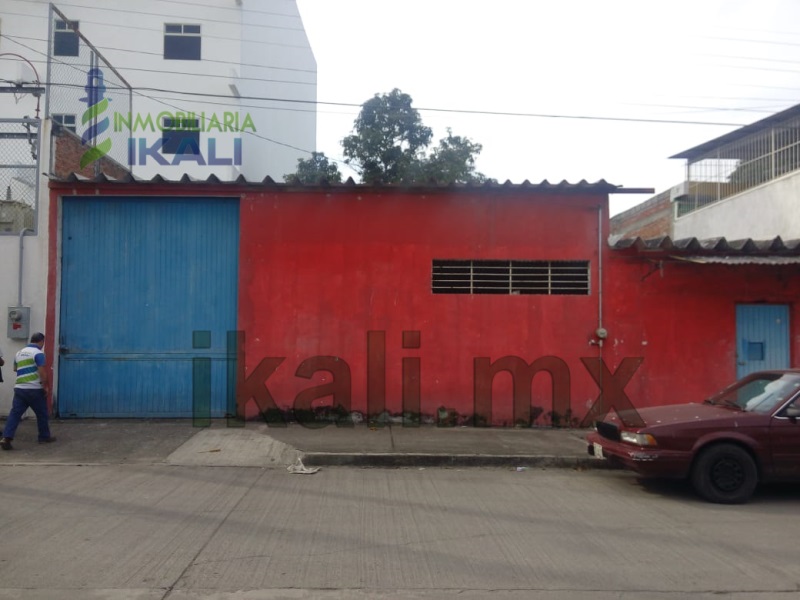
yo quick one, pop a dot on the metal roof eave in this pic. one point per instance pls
(583, 186)
(695, 249)
(740, 260)
(738, 134)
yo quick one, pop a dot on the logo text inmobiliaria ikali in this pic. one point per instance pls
(96, 116)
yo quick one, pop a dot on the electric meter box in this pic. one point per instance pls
(19, 322)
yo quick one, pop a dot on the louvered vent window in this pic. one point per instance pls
(537, 277)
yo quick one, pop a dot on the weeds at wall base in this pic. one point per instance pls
(444, 417)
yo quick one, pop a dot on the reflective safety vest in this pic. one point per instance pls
(28, 361)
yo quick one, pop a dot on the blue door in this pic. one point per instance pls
(762, 337)
(148, 290)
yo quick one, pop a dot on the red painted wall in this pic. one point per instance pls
(682, 320)
(320, 270)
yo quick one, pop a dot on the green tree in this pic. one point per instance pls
(388, 141)
(453, 161)
(313, 170)
(389, 144)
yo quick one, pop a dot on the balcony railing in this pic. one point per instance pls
(741, 165)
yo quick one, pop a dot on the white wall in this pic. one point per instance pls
(276, 51)
(34, 246)
(259, 46)
(761, 213)
(33, 295)
(33, 292)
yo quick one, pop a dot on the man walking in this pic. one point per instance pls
(30, 391)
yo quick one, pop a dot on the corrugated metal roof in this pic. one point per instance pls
(696, 249)
(742, 260)
(583, 186)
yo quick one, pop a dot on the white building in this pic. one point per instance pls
(744, 184)
(235, 79)
(207, 64)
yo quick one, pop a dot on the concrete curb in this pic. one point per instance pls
(320, 459)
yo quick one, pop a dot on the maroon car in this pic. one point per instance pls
(746, 434)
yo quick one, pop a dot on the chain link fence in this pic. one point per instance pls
(85, 94)
(19, 175)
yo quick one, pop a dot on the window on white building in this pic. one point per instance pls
(181, 42)
(65, 40)
(66, 121)
(180, 136)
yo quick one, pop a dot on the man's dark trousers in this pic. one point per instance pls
(36, 400)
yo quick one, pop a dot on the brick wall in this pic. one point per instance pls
(651, 219)
(68, 152)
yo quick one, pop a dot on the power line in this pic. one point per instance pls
(301, 29)
(703, 108)
(134, 27)
(138, 93)
(768, 87)
(747, 41)
(758, 58)
(428, 109)
(756, 98)
(314, 71)
(160, 55)
(421, 109)
(193, 16)
(247, 10)
(205, 75)
(692, 108)
(764, 69)
(748, 29)
(765, 109)
(281, 108)
(15, 37)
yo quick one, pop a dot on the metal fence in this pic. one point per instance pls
(741, 165)
(19, 180)
(84, 93)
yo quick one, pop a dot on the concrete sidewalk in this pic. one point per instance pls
(178, 442)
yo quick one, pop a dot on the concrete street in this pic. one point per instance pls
(155, 531)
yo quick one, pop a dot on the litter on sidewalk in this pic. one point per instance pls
(300, 468)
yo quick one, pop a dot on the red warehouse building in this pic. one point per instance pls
(492, 304)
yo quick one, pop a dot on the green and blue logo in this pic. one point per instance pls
(178, 125)
(96, 105)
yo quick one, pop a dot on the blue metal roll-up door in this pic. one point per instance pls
(148, 285)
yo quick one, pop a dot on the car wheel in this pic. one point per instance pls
(725, 474)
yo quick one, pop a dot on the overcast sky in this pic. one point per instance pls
(703, 61)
